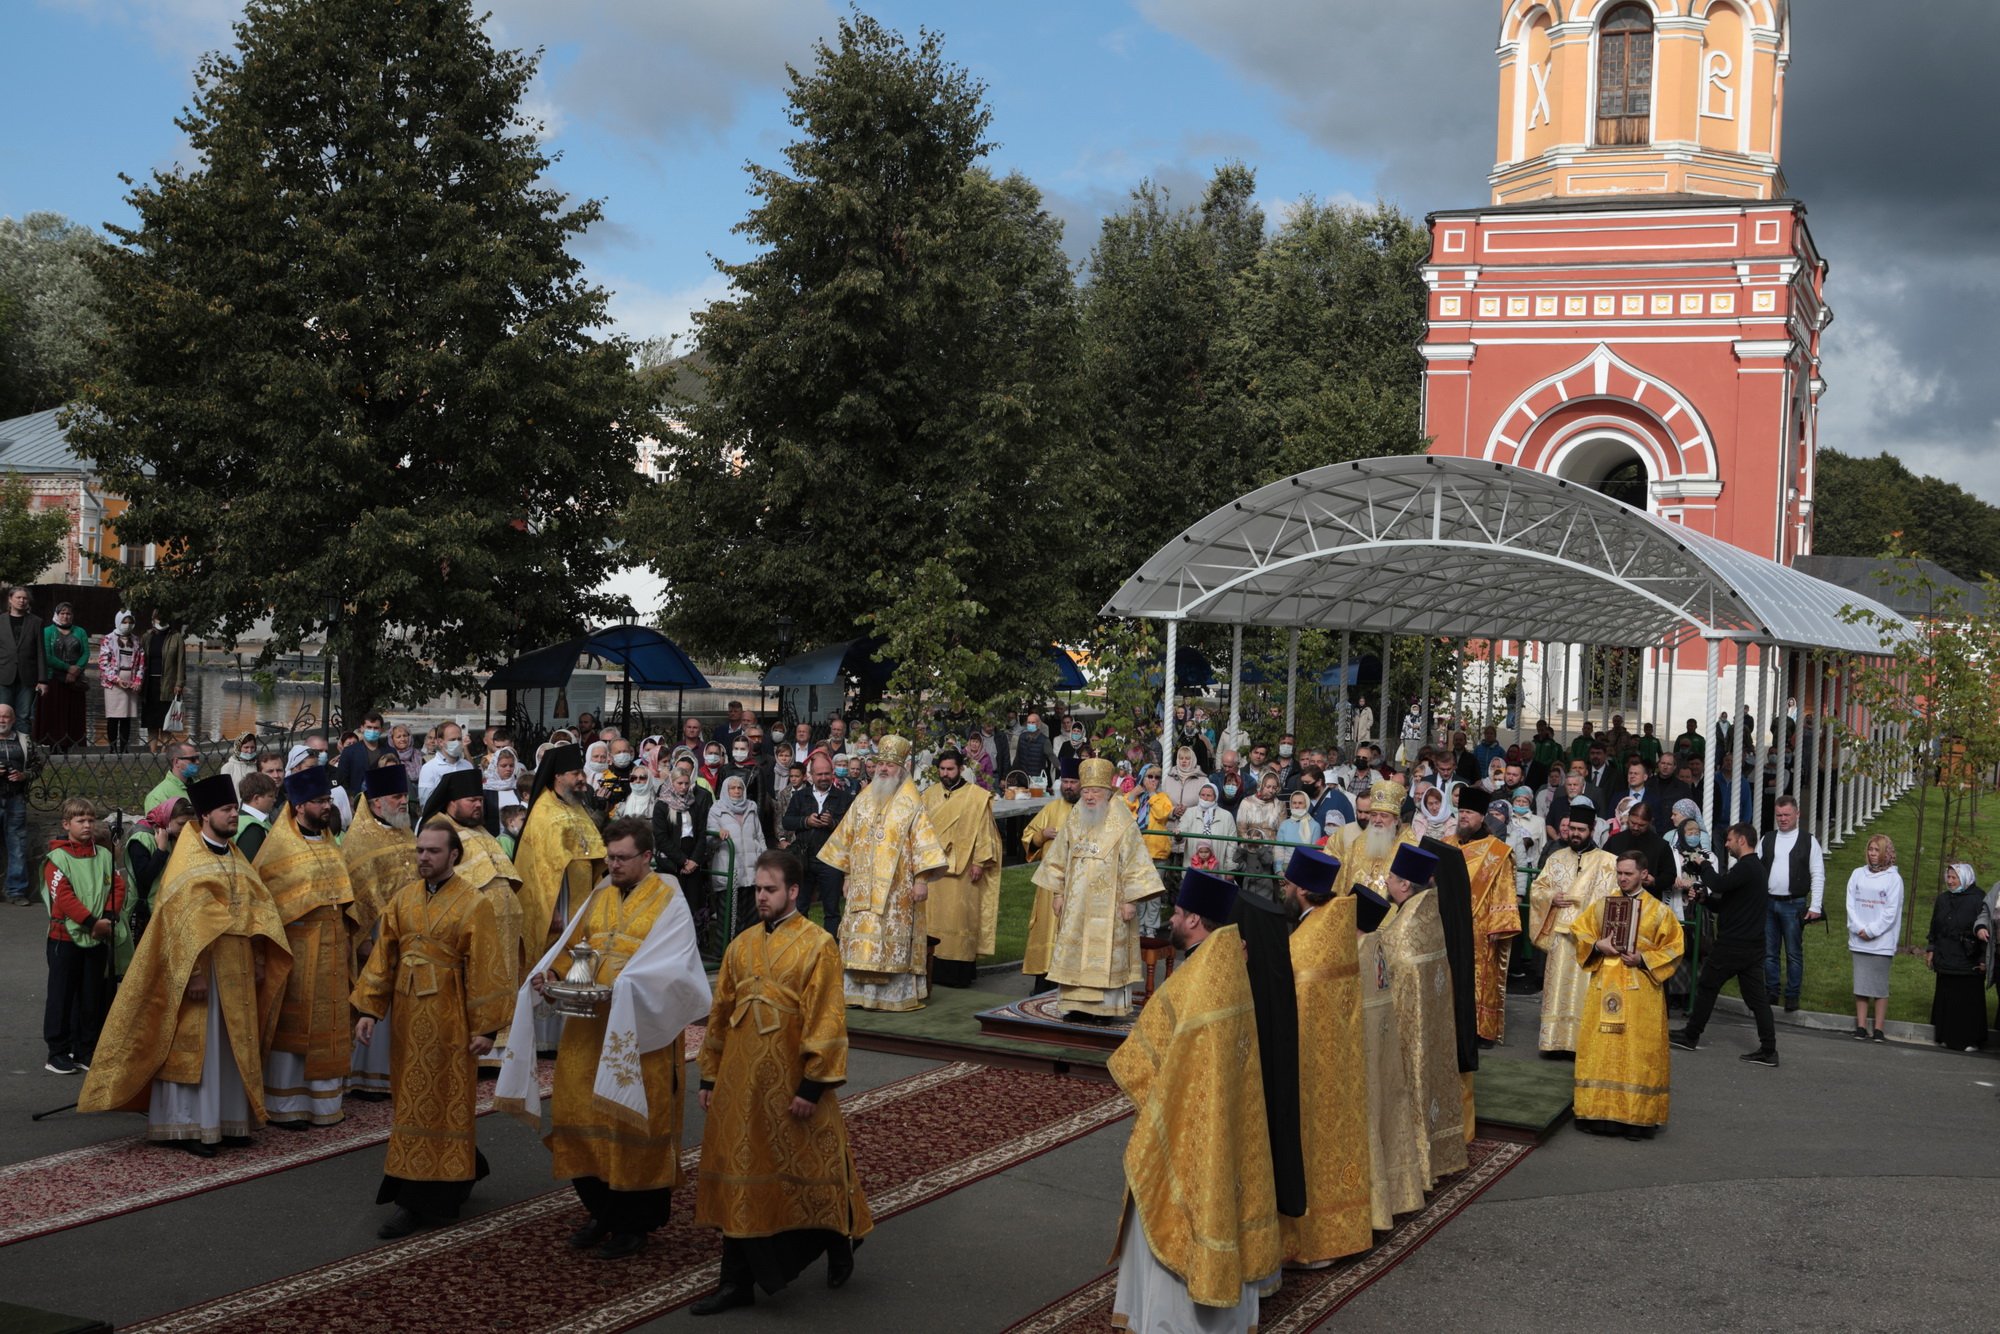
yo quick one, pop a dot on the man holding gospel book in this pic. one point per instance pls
(1628, 944)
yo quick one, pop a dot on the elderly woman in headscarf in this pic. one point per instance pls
(1201, 825)
(1956, 951)
(242, 761)
(121, 664)
(1258, 816)
(1527, 834)
(1182, 781)
(1298, 830)
(734, 820)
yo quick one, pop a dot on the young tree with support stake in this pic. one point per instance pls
(350, 356)
(1936, 691)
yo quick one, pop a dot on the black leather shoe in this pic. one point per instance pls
(290, 1125)
(195, 1147)
(1680, 1041)
(1762, 1056)
(588, 1235)
(725, 1298)
(621, 1246)
(401, 1224)
(840, 1264)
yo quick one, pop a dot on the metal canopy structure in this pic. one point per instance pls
(1452, 547)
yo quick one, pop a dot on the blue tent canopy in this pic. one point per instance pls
(1354, 673)
(1190, 669)
(651, 661)
(830, 665)
(1069, 676)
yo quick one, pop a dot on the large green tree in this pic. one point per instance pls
(50, 317)
(890, 381)
(351, 371)
(1878, 507)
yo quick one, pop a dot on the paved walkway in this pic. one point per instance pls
(1849, 1189)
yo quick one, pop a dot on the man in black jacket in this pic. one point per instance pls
(810, 817)
(1737, 896)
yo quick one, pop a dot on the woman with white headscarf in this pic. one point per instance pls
(1436, 815)
(734, 820)
(1201, 826)
(121, 663)
(503, 774)
(1961, 930)
(1183, 781)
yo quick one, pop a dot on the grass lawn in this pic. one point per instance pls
(1017, 897)
(1829, 975)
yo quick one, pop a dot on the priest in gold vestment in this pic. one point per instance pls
(964, 906)
(459, 802)
(1333, 1066)
(1413, 941)
(1623, 1063)
(1496, 913)
(777, 1176)
(1198, 1238)
(889, 851)
(615, 1124)
(185, 1038)
(439, 957)
(560, 858)
(1035, 841)
(1576, 875)
(1366, 847)
(1097, 872)
(1396, 1181)
(381, 856)
(305, 1070)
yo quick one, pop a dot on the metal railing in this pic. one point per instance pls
(120, 780)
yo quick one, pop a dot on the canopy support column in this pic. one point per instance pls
(1781, 722)
(1758, 749)
(1235, 688)
(1673, 658)
(1607, 671)
(1492, 661)
(1383, 722)
(1708, 770)
(1737, 777)
(1168, 737)
(1520, 688)
(1809, 720)
(1343, 716)
(1292, 680)
(1424, 699)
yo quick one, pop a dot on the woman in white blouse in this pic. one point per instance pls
(1874, 916)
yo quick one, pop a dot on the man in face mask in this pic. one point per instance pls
(1231, 783)
(359, 757)
(183, 767)
(1031, 751)
(1575, 876)
(450, 758)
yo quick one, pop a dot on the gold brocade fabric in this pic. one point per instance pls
(307, 878)
(1623, 1063)
(380, 859)
(1333, 1088)
(1041, 917)
(1496, 920)
(1198, 1166)
(486, 867)
(587, 1140)
(1412, 939)
(1396, 1183)
(1095, 869)
(559, 848)
(964, 914)
(883, 846)
(1583, 878)
(1356, 866)
(779, 1017)
(211, 911)
(439, 969)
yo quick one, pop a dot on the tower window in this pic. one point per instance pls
(1625, 75)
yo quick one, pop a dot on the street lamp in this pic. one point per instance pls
(326, 667)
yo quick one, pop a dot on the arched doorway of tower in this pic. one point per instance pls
(1609, 464)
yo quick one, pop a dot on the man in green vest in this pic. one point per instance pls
(183, 766)
(85, 897)
(257, 801)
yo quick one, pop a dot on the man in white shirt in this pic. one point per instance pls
(1797, 866)
(450, 758)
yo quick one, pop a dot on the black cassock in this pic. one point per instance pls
(1267, 932)
(1454, 900)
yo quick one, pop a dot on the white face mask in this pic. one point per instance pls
(621, 761)
(741, 753)
(1284, 751)
(1208, 803)
(454, 748)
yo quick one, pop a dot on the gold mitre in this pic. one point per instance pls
(1387, 795)
(893, 750)
(1096, 773)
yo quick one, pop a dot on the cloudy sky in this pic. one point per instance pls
(655, 106)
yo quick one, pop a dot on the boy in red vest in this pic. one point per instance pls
(85, 897)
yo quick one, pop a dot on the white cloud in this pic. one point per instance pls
(641, 312)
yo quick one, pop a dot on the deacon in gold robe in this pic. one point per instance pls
(777, 1176)
(1623, 1063)
(381, 856)
(1496, 914)
(890, 853)
(1198, 1233)
(615, 1128)
(1575, 876)
(1097, 872)
(964, 907)
(1333, 1066)
(305, 1071)
(185, 1038)
(1413, 939)
(1396, 1181)
(459, 803)
(439, 956)
(1035, 841)
(560, 859)
(1366, 847)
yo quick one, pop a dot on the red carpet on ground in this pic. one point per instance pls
(914, 1141)
(1307, 1296)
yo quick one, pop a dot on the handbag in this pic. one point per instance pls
(176, 719)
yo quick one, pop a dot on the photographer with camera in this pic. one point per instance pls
(1737, 897)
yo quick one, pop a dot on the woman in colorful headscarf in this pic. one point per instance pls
(1961, 930)
(734, 819)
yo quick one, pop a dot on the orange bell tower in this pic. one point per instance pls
(1639, 309)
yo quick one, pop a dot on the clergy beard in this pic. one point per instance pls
(884, 785)
(1089, 819)
(1379, 842)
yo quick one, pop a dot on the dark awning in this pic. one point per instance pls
(830, 665)
(651, 661)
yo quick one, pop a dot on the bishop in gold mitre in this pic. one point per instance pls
(890, 853)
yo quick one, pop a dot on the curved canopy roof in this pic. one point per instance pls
(1460, 547)
(651, 661)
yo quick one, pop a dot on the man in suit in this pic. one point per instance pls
(811, 817)
(1599, 779)
(21, 681)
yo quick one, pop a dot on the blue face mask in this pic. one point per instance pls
(1029, 728)
(840, 771)
(190, 769)
(1229, 789)
(371, 734)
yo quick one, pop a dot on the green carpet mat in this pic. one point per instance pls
(1524, 1092)
(950, 1018)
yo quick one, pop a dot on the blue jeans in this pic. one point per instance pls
(1784, 930)
(22, 697)
(14, 826)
